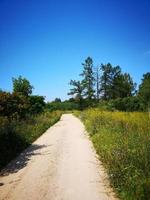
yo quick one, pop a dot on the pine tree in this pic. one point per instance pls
(97, 73)
(77, 90)
(88, 78)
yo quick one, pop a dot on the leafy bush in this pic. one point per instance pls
(37, 104)
(13, 105)
(128, 104)
(17, 135)
(123, 142)
(66, 105)
(16, 105)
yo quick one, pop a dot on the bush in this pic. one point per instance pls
(128, 104)
(16, 105)
(37, 104)
(62, 106)
(13, 105)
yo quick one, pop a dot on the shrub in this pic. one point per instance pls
(62, 106)
(128, 104)
(37, 104)
(13, 105)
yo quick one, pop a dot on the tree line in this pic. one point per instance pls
(107, 83)
(103, 86)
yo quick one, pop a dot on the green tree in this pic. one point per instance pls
(123, 86)
(37, 104)
(88, 78)
(106, 80)
(57, 100)
(144, 90)
(22, 85)
(97, 73)
(14, 105)
(77, 90)
(114, 83)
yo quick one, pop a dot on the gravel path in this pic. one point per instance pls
(60, 165)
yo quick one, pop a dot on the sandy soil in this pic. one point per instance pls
(60, 165)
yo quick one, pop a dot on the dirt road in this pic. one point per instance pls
(60, 165)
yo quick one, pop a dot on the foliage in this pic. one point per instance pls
(106, 80)
(22, 86)
(78, 88)
(114, 83)
(127, 104)
(97, 73)
(37, 104)
(88, 78)
(19, 123)
(122, 140)
(57, 100)
(18, 106)
(144, 90)
(13, 105)
(105, 83)
(64, 106)
(123, 86)
(16, 135)
(77, 91)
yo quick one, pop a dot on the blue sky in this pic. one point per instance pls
(47, 40)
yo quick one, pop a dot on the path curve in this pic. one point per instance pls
(60, 165)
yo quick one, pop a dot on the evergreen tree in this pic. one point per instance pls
(88, 78)
(57, 100)
(144, 90)
(123, 86)
(114, 83)
(77, 90)
(97, 82)
(106, 81)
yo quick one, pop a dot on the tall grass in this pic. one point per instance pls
(15, 136)
(122, 140)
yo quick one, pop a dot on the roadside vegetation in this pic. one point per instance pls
(23, 118)
(116, 115)
(16, 135)
(122, 141)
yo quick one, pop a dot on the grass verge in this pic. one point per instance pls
(15, 136)
(122, 140)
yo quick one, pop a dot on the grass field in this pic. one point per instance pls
(122, 141)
